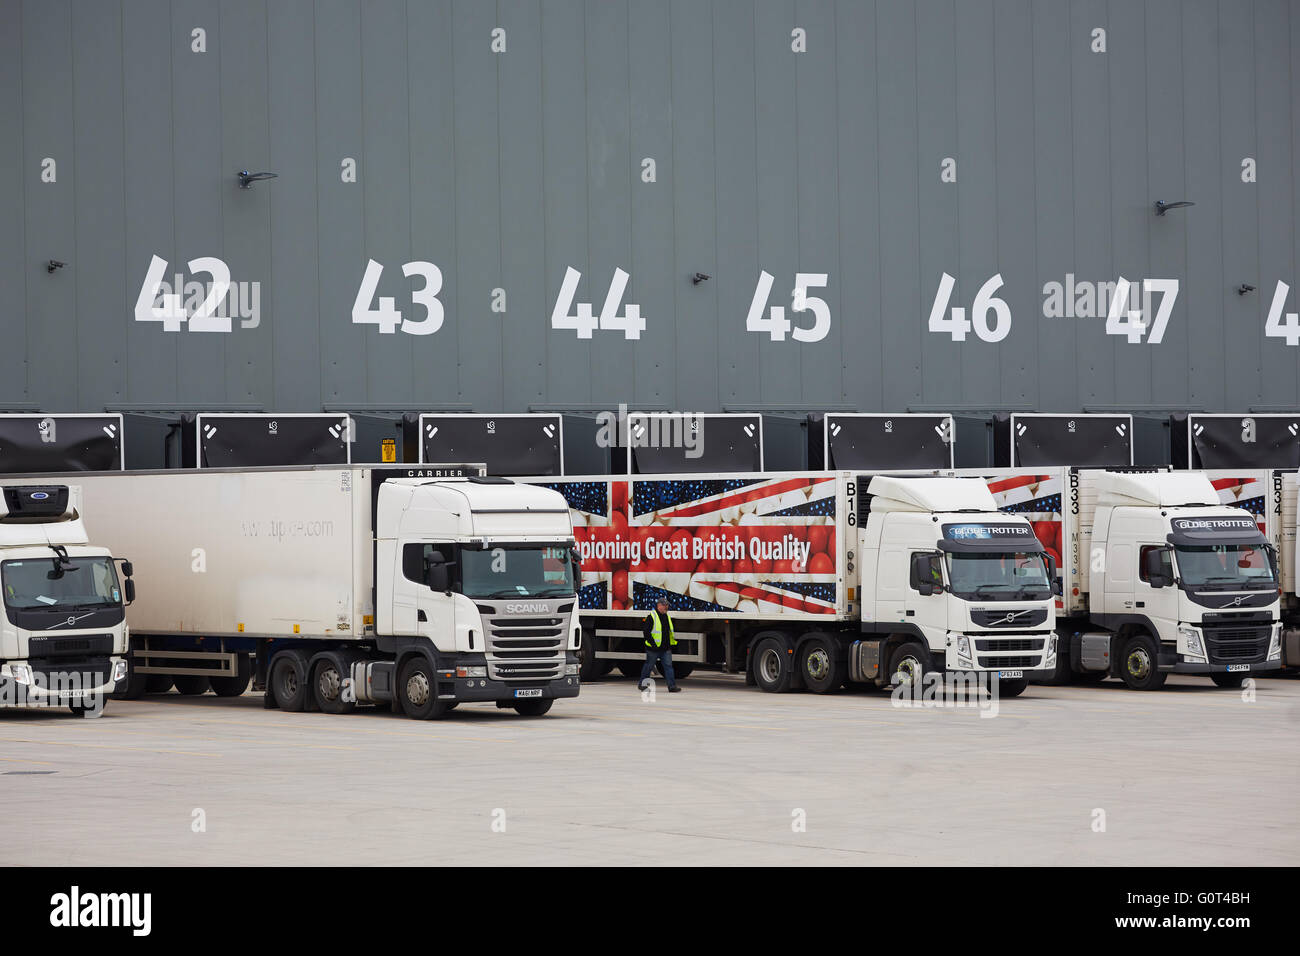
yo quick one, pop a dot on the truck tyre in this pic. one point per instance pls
(192, 685)
(1012, 688)
(327, 686)
(287, 686)
(533, 708)
(821, 666)
(1139, 664)
(773, 666)
(683, 670)
(417, 689)
(589, 668)
(908, 665)
(629, 669)
(157, 683)
(1228, 680)
(234, 686)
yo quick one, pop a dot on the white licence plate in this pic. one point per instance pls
(1238, 667)
(1010, 675)
(529, 692)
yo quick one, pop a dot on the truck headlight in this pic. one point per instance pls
(963, 646)
(1275, 644)
(1192, 640)
(570, 670)
(1049, 659)
(119, 671)
(22, 673)
(477, 671)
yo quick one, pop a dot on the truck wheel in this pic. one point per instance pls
(589, 668)
(1012, 688)
(234, 686)
(1139, 666)
(192, 685)
(157, 683)
(773, 670)
(822, 669)
(417, 689)
(629, 669)
(1228, 680)
(327, 686)
(684, 670)
(533, 708)
(908, 664)
(289, 691)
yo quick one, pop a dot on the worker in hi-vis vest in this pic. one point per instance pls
(659, 641)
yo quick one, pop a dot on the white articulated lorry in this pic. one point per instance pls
(63, 638)
(346, 585)
(803, 580)
(1158, 577)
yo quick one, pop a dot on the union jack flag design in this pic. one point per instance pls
(741, 545)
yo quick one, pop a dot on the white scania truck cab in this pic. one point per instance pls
(1175, 582)
(63, 638)
(951, 583)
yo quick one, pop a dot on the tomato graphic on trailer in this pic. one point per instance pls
(741, 545)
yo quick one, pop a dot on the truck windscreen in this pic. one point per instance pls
(987, 574)
(1226, 567)
(80, 584)
(499, 572)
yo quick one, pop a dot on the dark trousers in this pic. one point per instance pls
(665, 656)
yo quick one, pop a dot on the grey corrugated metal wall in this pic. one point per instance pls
(505, 168)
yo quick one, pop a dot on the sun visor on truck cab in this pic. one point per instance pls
(981, 536)
(1215, 530)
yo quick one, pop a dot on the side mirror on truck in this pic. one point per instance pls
(129, 590)
(437, 572)
(1156, 565)
(1057, 589)
(925, 577)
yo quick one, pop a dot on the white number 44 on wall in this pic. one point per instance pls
(584, 320)
(775, 324)
(1274, 327)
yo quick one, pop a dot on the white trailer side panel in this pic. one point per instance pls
(251, 554)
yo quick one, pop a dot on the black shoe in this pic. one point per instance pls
(674, 690)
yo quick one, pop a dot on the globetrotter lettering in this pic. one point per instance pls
(787, 548)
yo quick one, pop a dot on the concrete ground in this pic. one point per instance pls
(719, 774)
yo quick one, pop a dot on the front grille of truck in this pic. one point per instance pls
(525, 647)
(68, 673)
(1021, 661)
(1026, 618)
(1237, 645)
(78, 645)
(1009, 644)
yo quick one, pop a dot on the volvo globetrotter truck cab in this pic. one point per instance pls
(63, 636)
(953, 584)
(1179, 583)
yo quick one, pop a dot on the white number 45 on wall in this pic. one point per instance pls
(775, 324)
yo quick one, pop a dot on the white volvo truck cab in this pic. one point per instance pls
(1178, 584)
(63, 637)
(953, 584)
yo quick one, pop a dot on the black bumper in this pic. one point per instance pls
(479, 689)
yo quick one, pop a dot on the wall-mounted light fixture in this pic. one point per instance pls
(699, 277)
(54, 264)
(1162, 207)
(246, 179)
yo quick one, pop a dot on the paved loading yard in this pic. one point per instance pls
(1188, 775)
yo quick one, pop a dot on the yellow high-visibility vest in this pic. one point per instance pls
(657, 632)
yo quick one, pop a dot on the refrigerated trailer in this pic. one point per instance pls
(419, 588)
(811, 579)
(1157, 576)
